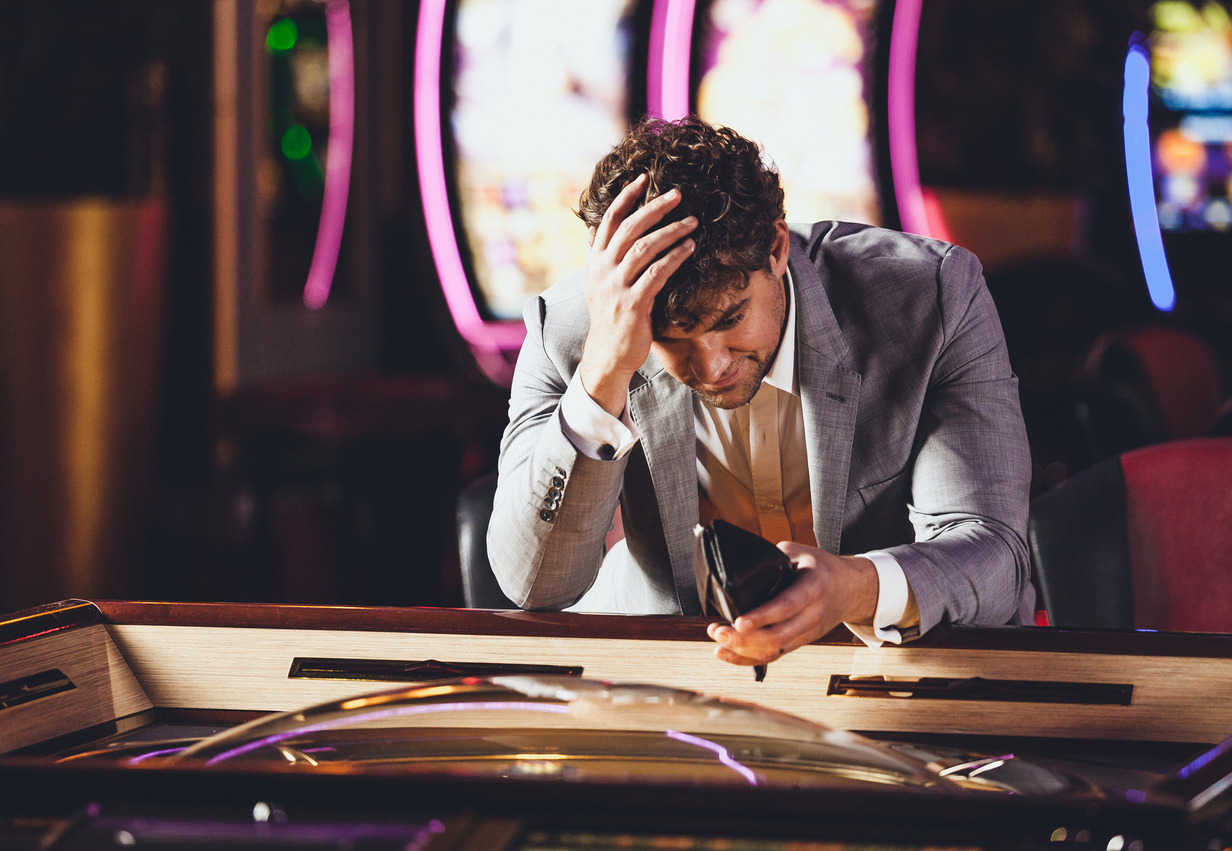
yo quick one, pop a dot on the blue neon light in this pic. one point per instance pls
(1134, 104)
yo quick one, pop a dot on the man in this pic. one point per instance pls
(846, 394)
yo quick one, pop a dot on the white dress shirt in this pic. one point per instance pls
(752, 470)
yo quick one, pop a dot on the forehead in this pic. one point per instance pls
(720, 305)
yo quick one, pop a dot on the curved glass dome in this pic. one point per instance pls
(568, 728)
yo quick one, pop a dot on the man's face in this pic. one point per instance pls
(725, 356)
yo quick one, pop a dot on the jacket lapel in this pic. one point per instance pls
(662, 408)
(829, 393)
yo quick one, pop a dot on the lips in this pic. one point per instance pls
(729, 381)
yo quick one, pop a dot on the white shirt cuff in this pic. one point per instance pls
(896, 605)
(593, 431)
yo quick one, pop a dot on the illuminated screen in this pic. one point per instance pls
(540, 93)
(1191, 116)
(794, 75)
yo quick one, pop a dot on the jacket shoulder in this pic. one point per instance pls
(883, 261)
(852, 242)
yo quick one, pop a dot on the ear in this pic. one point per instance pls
(781, 249)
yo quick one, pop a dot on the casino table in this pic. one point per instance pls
(78, 673)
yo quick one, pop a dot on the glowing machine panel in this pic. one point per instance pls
(796, 75)
(515, 101)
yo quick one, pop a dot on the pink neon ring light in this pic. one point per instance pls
(487, 339)
(671, 44)
(341, 54)
(668, 91)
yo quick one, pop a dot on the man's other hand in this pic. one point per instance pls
(828, 590)
(626, 266)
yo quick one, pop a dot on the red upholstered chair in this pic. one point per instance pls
(1146, 385)
(1143, 540)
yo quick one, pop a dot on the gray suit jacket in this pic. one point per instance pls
(915, 438)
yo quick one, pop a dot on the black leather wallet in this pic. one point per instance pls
(743, 571)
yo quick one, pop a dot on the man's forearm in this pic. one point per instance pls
(550, 517)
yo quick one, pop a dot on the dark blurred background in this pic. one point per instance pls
(317, 459)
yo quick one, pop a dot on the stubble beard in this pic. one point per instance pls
(742, 393)
(760, 363)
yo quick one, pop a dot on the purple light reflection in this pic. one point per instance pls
(486, 339)
(396, 712)
(904, 164)
(145, 756)
(667, 72)
(1205, 759)
(341, 52)
(723, 754)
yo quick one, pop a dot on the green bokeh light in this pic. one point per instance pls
(296, 143)
(282, 35)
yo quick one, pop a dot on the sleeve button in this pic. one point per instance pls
(558, 482)
(546, 516)
(550, 504)
(607, 451)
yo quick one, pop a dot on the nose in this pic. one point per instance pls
(709, 359)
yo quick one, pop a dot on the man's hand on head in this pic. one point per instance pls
(828, 590)
(627, 265)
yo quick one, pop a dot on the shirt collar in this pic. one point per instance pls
(782, 374)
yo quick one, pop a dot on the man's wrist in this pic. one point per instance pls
(864, 590)
(609, 389)
(591, 429)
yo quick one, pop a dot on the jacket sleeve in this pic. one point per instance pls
(971, 471)
(553, 505)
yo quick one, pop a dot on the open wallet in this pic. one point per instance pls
(737, 571)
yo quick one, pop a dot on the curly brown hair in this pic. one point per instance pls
(722, 179)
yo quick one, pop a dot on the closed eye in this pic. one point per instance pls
(729, 322)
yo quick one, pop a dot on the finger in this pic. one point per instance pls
(618, 209)
(798, 552)
(758, 648)
(797, 597)
(590, 236)
(735, 658)
(657, 273)
(759, 654)
(641, 222)
(769, 643)
(655, 246)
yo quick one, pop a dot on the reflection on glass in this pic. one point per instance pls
(571, 729)
(540, 91)
(544, 840)
(1191, 75)
(562, 728)
(792, 74)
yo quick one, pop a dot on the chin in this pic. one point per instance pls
(740, 393)
(731, 397)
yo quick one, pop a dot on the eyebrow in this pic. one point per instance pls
(727, 314)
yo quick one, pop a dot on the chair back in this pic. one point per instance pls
(480, 589)
(1079, 544)
(1178, 505)
(1146, 385)
(1143, 540)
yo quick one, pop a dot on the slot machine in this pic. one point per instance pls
(515, 100)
